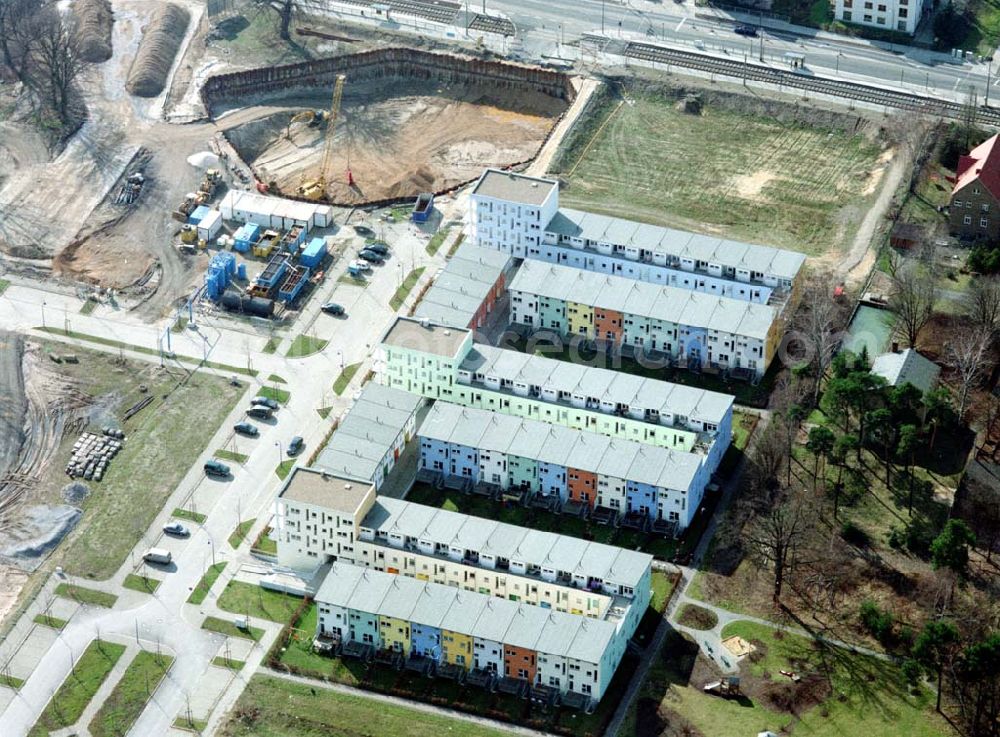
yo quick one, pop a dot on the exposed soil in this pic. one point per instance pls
(398, 137)
(697, 617)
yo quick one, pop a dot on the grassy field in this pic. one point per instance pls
(205, 584)
(68, 703)
(227, 628)
(162, 440)
(737, 175)
(341, 382)
(281, 708)
(254, 601)
(129, 697)
(83, 595)
(397, 299)
(240, 533)
(305, 345)
(145, 584)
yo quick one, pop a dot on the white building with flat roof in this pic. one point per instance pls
(892, 15)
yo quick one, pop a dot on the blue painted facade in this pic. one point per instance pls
(434, 455)
(463, 461)
(425, 641)
(364, 627)
(639, 495)
(694, 345)
(552, 480)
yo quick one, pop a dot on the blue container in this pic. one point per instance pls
(241, 272)
(245, 237)
(198, 214)
(314, 253)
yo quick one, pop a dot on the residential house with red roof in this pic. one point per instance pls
(975, 198)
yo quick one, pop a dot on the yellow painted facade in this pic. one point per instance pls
(456, 648)
(395, 633)
(581, 319)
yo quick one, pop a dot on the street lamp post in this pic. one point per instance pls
(837, 67)
(602, 17)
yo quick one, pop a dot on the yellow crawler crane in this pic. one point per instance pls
(316, 190)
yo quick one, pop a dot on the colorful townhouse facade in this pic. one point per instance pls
(692, 328)
(468, 289)
(590, 398)
(572, 466)
(571, 653)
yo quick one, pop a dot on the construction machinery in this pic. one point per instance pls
(316, 189)
(210, 182)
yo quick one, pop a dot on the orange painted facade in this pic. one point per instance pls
(582, 486)
(496, 292)
(519, 662)
(607, 325)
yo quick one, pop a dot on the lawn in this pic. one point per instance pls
(255, 601)
(4, 283)
(284, 468)
(163, 438)
(68, 703)
(281, 396)
(231, 455)
(145, 584)
(222, 662)
(227, 628)
(274, 378)
(271, 346)
(88, 307)
(198, 726)
(305, 345)
(254, 36)
(196, 517)
(455, 245)
(265, 544)
(776, 182)
(984, 34)
(11, 681)
(434, 244)
(47, 620)
(129, 697)
(240, 533)
(83, 595)
(280, 708)
(205, 584)
(405, 288)
(341, 382)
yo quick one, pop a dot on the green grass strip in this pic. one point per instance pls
(88, 307)
(275, 379)
(305, 345)
(231, 455)
(191, 725)
(187, 514)
(47, 620)
(83, 595)
(240, 597)
(284, 468)
(68, 703)
(145, 584)
(4, 283)
(405, 288)
(281, 396)
(240, 533)
(271, 346)
(341, 382)
(227, 628)
(455, 245)
(223, 662)
(200, 591)
(11, 682)
(148, 351)
(131, 694)
(434, 244)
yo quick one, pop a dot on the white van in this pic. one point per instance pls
(157, 555)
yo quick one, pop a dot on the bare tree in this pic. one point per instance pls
(912, 300)
(284, 9)
(968, 355)
(54, 64)
(775, 539)
(983, 303)
(817, 322)
(15, 23)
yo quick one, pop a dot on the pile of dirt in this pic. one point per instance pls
(161, 40)
(94, 22)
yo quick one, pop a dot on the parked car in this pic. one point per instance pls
(157, 555)
(216, 468)
(380, 248)
(259, 412)
(265, 402)
(371, 257)
(245, 428)
(746, 30)
(295, 445)
(332, 308)
(176, 528)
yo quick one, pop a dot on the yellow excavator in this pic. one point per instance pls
(316, 189)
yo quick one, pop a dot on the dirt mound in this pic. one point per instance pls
(160, 41)
(94, 21)
(399, 137)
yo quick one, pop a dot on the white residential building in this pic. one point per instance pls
(892, 15)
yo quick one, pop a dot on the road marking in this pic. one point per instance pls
(680, 24)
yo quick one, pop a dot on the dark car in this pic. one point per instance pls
(264, 402)
(245, 428)
(259, 412)
(216, 468)
(295, 445)
(380, 248)
(371, 257)
(746, 30)
(332, 308)
(176, 528)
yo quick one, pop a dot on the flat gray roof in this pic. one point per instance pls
(459, 290)
(440, 340)
(519, 188)
(668, 304)
(315, 486)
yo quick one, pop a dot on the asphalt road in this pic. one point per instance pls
(548, 28)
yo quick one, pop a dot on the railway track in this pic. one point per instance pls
(851, 90)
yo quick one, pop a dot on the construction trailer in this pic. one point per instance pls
(423, 207)
(246, 237)
(298, 277)
(210, 225)
(274, 212)
(313, 253)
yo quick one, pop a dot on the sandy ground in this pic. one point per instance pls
(397, 145)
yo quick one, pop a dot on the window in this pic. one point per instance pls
(986, 208)
(984, 222)
(967, 220)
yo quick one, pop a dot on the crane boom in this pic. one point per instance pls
(316, 190)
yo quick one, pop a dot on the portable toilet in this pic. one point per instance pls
(314, 253)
